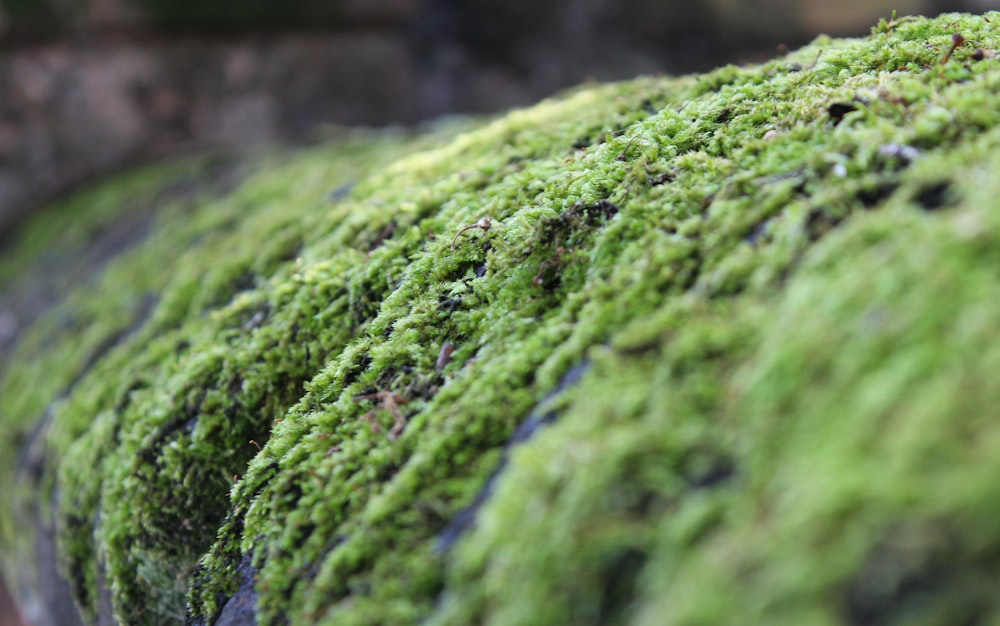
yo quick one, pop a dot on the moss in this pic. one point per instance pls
(780, 282)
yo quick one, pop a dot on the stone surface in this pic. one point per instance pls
(782, 279)
(69, 113)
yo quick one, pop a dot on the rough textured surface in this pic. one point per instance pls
(778, 286)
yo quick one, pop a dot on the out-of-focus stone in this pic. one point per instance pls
(71, 113)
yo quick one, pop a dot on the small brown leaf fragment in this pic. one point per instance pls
(389, 401)
(444, 356)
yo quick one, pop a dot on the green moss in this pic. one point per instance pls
(786, 308)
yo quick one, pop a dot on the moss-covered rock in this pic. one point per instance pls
(700, 350)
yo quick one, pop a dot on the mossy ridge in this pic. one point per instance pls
(342, 520)
(693, 481)
(43, 261)
(443, 305)
(74, 368)
(713, 217)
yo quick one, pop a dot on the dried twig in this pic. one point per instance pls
(389, 401)
(483, 225)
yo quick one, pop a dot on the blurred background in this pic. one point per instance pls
(90, 86)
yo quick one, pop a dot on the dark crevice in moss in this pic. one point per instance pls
(341, 192)
(537, 419)
(706, 468)
(934, 196)
(820, 221)
(912, 567)
(874, 196)
(621, 575)
(239, 608)
(838, 110)
(142, 312)
(383, 235)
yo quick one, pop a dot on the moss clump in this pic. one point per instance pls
(778, 282)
